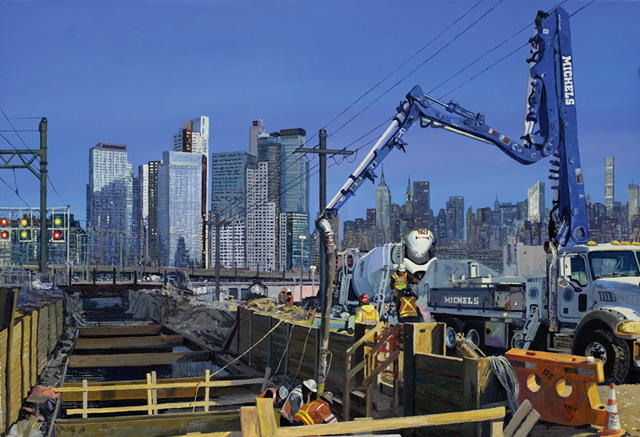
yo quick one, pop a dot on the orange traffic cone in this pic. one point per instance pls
(612, 420)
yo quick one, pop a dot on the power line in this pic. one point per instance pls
(16, 192)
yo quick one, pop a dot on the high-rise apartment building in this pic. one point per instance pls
(536, 200)
(229, 183)
(297, 249)
(180, 209)
(193, 137)
(232, 244)
(261, 221)
(421, 204)
(154, 250)
(110, 204)
(455, 218)
(257, 128)
(633, 202)
(294, 172)
(383, 205)
(608, 185)
(143, 202)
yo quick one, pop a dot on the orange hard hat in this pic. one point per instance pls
(363, 298)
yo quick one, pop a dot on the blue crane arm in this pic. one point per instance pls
(550, 129)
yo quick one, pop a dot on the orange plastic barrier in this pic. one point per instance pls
(562, 388)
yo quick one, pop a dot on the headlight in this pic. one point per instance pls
(629, 328)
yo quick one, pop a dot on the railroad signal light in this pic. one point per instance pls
(57, 221)
(24, 222)
(24, 235)
(57, 236)
(4, 221)
(4, 235)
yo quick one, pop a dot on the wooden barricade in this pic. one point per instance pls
(33, 355)
(152, 407)
(14, 371)
(26, 355)
(43, 338)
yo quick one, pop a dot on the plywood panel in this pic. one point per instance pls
(244, 333)
(26, 355)
(14, 369)
(60, 318)
(3, 379)
(33, 366)
(43, 338)
(260, 353)
(53, 339)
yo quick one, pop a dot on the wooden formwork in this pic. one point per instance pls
(33, 355)
(435, 383)
(26, 355)
(14, 371)
(300, 358)
(43, 338)
(53, 328)
(4, 339)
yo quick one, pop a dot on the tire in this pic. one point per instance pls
(474, 331)
(454, 326)
(614, 353)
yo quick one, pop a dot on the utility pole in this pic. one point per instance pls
(217, 223)
(325, 290)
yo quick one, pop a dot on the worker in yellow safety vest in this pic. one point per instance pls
(366, 313)
(317, 412)
(399, 278)
(407, 307)
(278, 395)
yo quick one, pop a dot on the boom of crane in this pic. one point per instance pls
(550, 129)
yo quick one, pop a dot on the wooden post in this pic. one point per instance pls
(249, 424)
(149, 396)
(346, 388)
(266, 418)
(154, 392)
(409, 371)
(85, 399)
(206, 390)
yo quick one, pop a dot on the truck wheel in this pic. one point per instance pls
(474, 331)
(613, 351)
(454, 326)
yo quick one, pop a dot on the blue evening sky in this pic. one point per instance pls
(132, 71)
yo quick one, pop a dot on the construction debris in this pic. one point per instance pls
(277, 309)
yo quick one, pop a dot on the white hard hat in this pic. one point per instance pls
(283, 392)
(401, 268)
(311, 385)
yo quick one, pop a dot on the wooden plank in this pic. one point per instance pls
(439, 393)
(199, 383)
(136, 360)
(26, 355)
(128, 342)
(34, 349)
(249, 421)
(60, 317)
(521, 413)
(14, 372)
(435, 379)
(434, 363)
(266, 419)
(163, 424)
(119, 331)
(4, 338)
(362, 426)
(429, 338)
(528, 423)
(43, 338)
(53, 339)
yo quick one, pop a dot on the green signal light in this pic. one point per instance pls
(57, 221)
(24, 235)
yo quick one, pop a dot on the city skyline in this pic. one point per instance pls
(122, 87)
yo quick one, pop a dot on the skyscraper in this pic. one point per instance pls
(110, 203)
(269, 152)
(257, 128)
(455, 218)
(421, 204)
(608, 185)
(229, 183)
(535, 198)
(154, 250)
(294, 172)
(633, 202)
(383, 205)
(180, 209)
(261, 221)
(143, 201)
(193, 137)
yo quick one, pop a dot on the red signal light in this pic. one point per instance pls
(57, 235)
(4, 235)
(4, 221)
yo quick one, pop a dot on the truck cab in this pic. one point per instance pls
(598, 298)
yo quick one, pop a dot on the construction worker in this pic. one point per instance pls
(279, 395)
(407, 307)
(366, 313)
(399, 278)
(302, 394)
(317, 412)
(286, 296)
